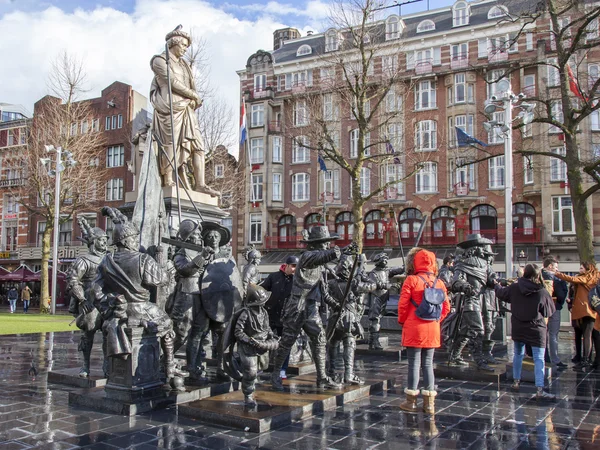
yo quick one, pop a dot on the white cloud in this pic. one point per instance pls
(118, 46)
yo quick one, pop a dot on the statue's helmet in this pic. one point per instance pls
(186, 228)
(123, 228)
(380, 257)
(256, 295)
(89, 234)
(253, 254)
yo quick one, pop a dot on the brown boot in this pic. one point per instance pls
(410, 404)
(429, 401)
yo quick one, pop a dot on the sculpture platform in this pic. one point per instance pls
(96, 399)
(470, 372)
(527, 372)
(300, 399)
(70, 377)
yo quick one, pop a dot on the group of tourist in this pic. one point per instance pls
(13, 297)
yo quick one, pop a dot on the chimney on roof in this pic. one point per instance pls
(284, 34)
(309, 33)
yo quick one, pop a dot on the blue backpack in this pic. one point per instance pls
(430, 307)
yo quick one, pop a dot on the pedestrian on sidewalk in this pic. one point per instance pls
(559, 295)
(581, 311)
(26, 298)
(13, 296)
(420, 337)
(531, 306)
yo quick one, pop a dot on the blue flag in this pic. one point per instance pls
(466, 140)
(322, 165)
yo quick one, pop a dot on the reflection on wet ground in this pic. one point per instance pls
(35, 414)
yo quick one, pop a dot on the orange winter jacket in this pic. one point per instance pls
(582, 284)
(416, 332)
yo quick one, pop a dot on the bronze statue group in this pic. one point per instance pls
(199, 292)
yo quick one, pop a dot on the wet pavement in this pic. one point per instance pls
(35, 414)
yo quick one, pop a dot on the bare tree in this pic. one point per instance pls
(351, 87)
(226, 175)
(62, 121)
(570, 97)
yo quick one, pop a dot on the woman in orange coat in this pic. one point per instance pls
(420, 337)
(582, 313)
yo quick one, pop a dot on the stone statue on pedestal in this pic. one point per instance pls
(122, 290)
(80, 281)
(175, 123)
(251, 273)
(381, 275)
(472, 276)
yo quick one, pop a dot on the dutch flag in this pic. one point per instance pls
(243, 130)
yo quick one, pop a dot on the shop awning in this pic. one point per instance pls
(22, 273)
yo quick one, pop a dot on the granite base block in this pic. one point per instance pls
(70, 377)
(383, 340)
(470, 372)
(389, 352)
(300, 399)
(527, 372)
(97, 400)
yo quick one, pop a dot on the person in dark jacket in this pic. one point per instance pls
(531, 306)
(279, 284)
(559, 295)
(446, 271)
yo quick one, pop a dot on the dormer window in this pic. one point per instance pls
(460, 14)
(392, 28)
(426, 25)
(497, 12)
(304, 50)
(332, 41)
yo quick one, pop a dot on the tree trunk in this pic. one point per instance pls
(357, 212)
(45, 292)
(583, 225)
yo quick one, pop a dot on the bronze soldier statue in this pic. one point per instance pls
(491, 307)
(301, 311)
(79, 283)
(345, 317)
(122, 290)
(381, 275)
(255, 339)
(190, 265)
(251, 273)
(472, 275)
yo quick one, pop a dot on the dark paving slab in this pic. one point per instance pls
(71, 377)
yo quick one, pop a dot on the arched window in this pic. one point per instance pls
(523, 221)
(374, 227)
(484, 220)
(286, 228)
(410, 221)
(344, 225)
(443, 221)
(313, 220)
(392, 27)
(460, 14)
(332, 40)
(304, 50)
(425, 25)
(497, 12)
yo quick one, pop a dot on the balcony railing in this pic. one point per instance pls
(15, 182)
(423, 67)
(460, 61)
(527, 235)
(262, 92)
(498, 56)
(275, 126)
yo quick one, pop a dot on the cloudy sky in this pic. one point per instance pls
(116, 38)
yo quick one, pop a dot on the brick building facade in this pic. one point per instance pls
(450, 58)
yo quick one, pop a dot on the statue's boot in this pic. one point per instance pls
(323, 381)
(171, 369)
(455, 359)
(191, 356)
(280, 357)
(478, 356)
(85, 347)
(349, 376)
(374, 343)
(488, 346)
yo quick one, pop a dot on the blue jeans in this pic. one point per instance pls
(538, 361)
(420, 358)
(553, 329)
(25, 305)
(13, 305)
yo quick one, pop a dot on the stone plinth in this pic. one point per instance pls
(527, 372)
(70, 377)
(470, 372)
(301, 399)
(135, 377)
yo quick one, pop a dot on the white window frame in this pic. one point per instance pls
(529, 87)
(276, 189)
(460, 14)
(426, 136)
(463, 174)
(300, 187)
(557, 219)
(557, 115)
(115, 156)
(304, 49)
(426, 179)
(558, 168)
(219, 170)
(95, 125)
(300, 150)
(277, 144)
(257, 180)
(529, 42)
(528, 176)
(393, 172)
(392, 28)
(496, 135)
(257, 116)
(426, 25)
(255, 231)
(354, 143)
(496, 172)
(425, 89)
(260, 82)
(497, 11)
(365, 181)
(331, 182)
(300, 113)
(460, 80)
(393, 102)
(552, 73)
(332, 40)
(389, 65)
(257, 150)
(114, 190)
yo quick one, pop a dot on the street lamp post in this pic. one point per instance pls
(60, 166)
(507, 101)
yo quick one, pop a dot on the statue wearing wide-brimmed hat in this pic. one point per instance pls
(301, 311)
(473, 278)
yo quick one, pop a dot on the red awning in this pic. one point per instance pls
(23, 273)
